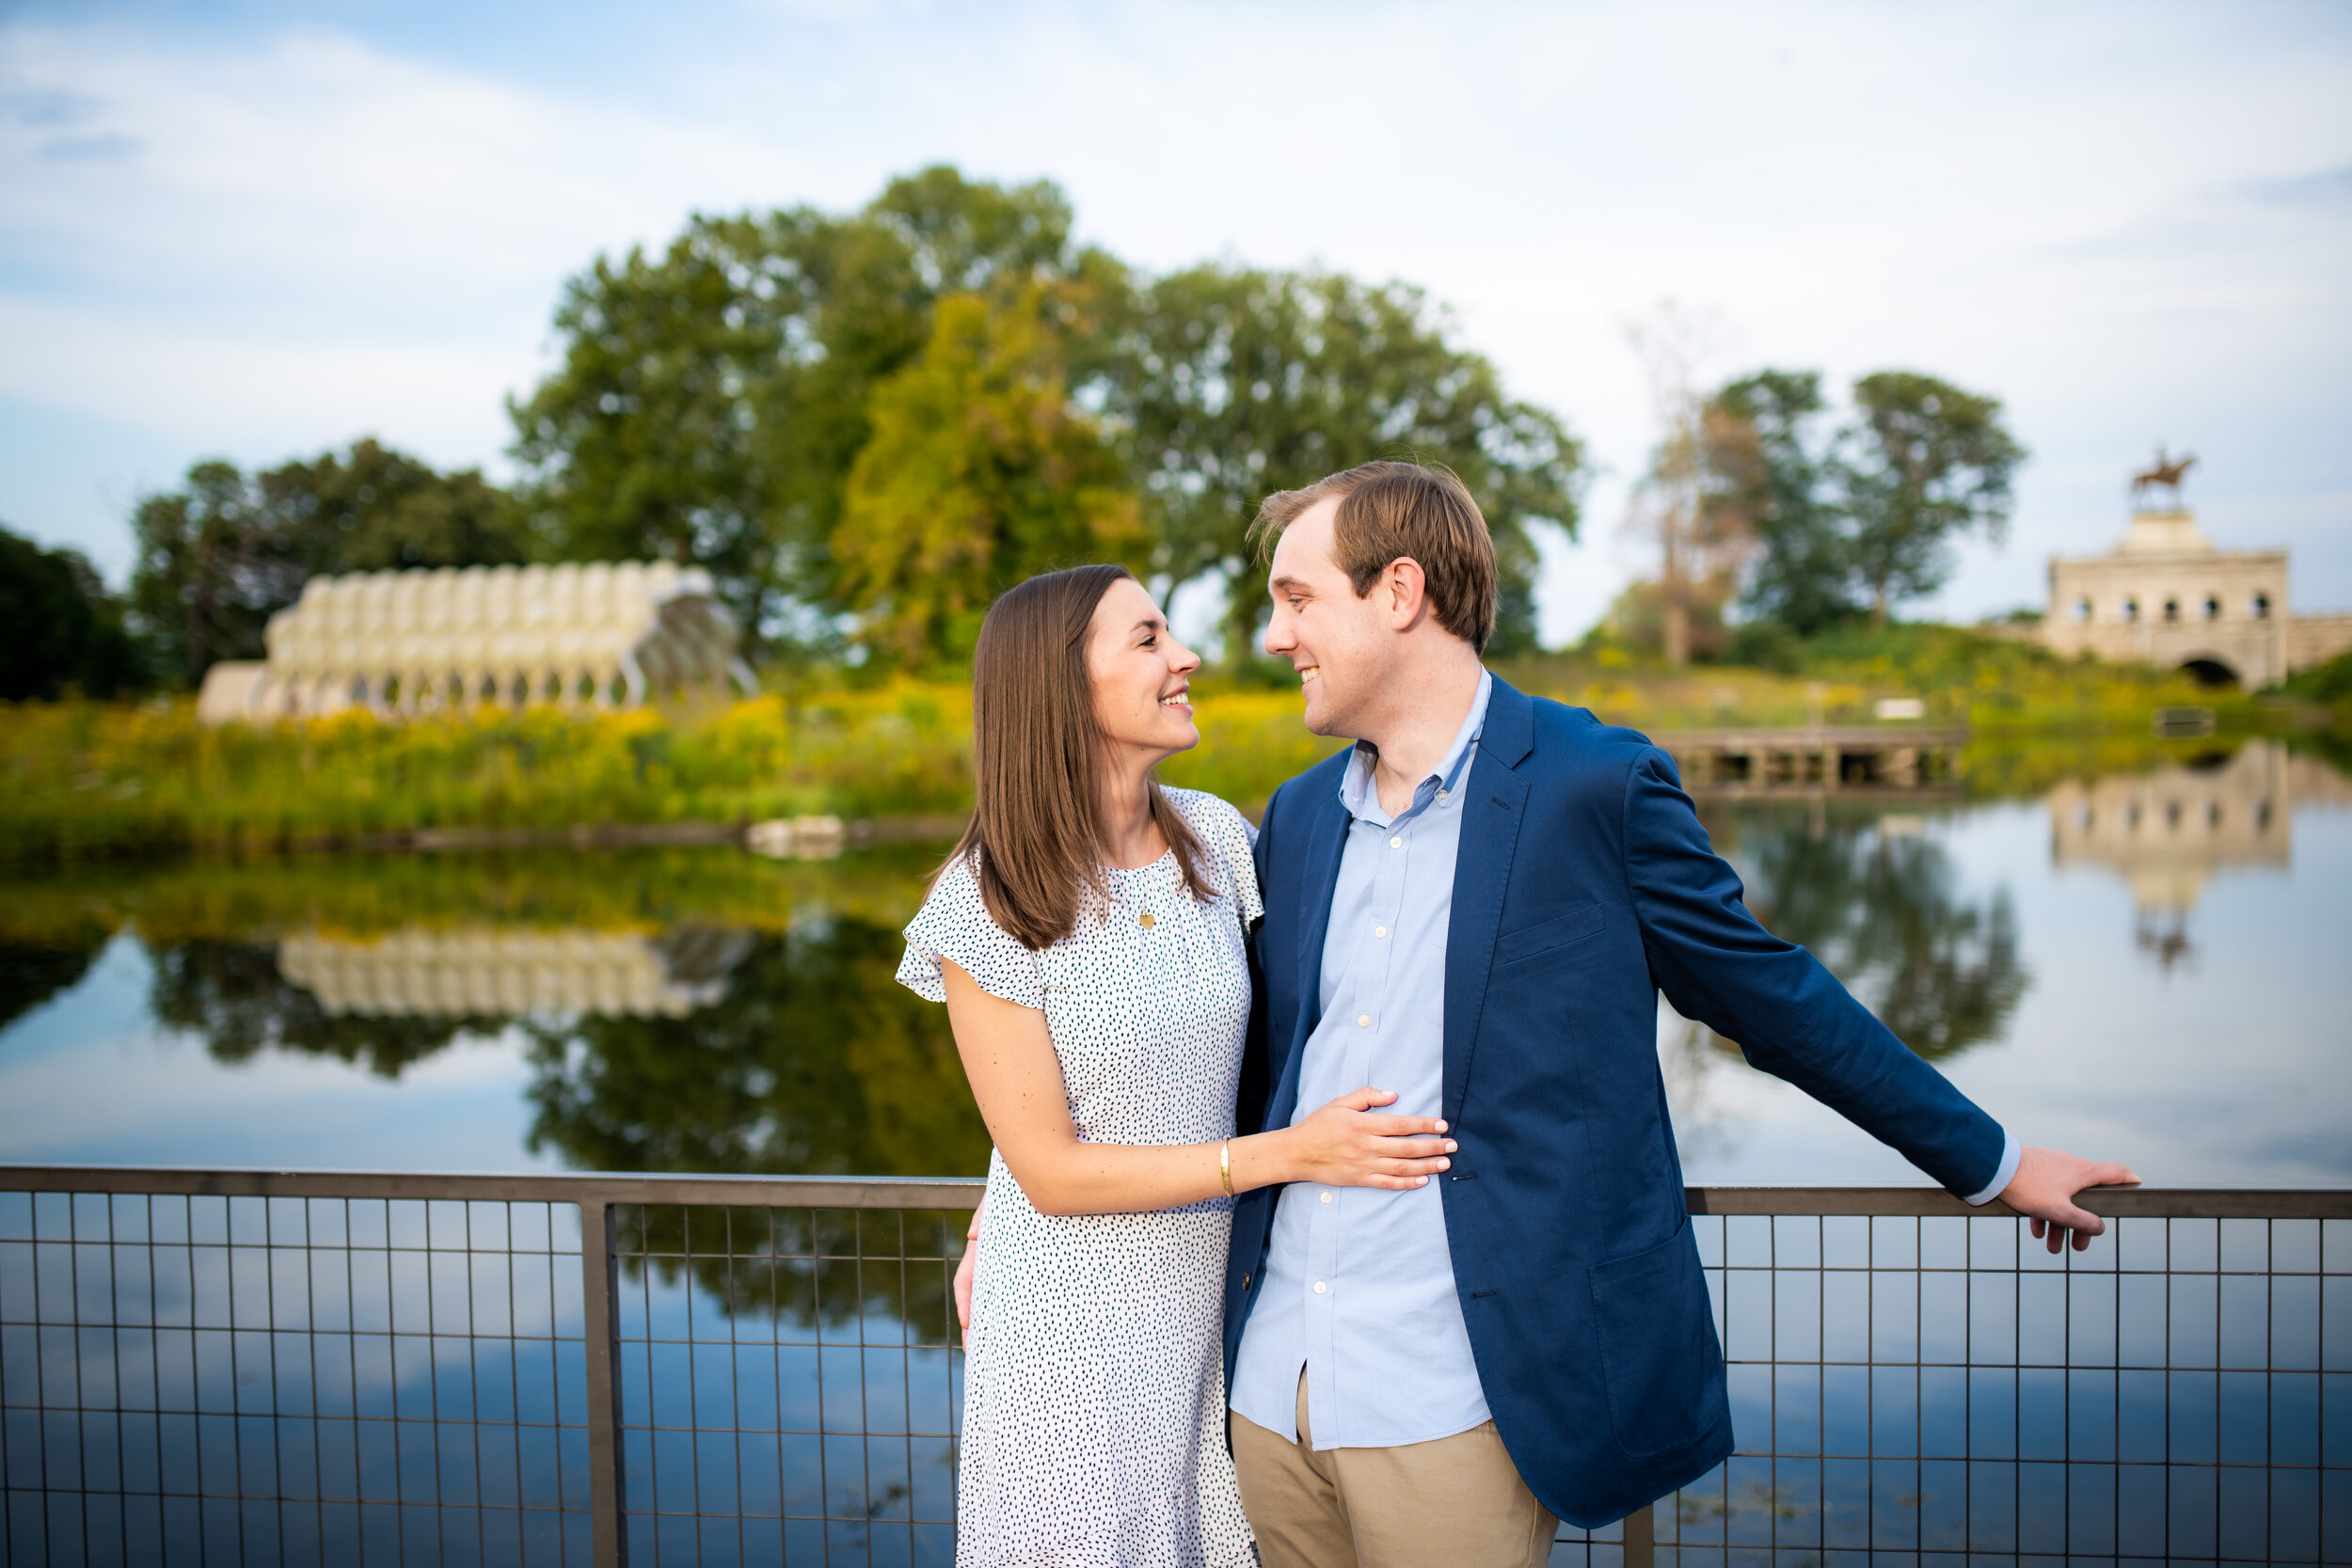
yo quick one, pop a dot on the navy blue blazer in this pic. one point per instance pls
(1586, 886)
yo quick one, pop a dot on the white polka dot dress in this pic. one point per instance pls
(1094, 1395)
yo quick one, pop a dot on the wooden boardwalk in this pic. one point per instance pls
(1759, 760)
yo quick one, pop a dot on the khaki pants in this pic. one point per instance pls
(1455, 1500)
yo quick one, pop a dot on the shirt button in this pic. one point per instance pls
(1327, 1197)
(1397, 843)
(1319, 1287)
(1441, 795)
(1379, 930)
(1363, 1021)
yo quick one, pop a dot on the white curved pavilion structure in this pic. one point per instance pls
(415, 641)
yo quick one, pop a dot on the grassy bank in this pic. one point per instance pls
(93, 779)
(87, 779)
(360, 897)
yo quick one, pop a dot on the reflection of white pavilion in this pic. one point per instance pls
(409, 640)
(496, 972)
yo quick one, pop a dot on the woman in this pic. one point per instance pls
(1087, 937)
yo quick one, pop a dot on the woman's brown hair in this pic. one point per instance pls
(1035, 844)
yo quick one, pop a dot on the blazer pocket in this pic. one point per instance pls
(1659, 1356)
(1583, 921)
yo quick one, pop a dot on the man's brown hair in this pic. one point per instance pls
(1034, 842)
(1392, 510)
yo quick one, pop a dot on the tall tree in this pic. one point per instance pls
(59, 627)
(1927, 463)
(712, 399)
(210, 571)
(1768, 459)
(980, 472)
(1685, 500)
(375, 509)
(1235, 382)
(218, 557)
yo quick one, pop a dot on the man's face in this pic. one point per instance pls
(1341, 645)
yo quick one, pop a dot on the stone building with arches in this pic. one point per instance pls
(2167, 596)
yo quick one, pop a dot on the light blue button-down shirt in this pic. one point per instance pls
(1358, 1284)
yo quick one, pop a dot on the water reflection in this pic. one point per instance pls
(700, 1051)
(1883, 901)
(814, 1060)
(486, 971)
(1880, 900)
(703, 1010)
(708, 1010)
(232, 996)
(2170, 831)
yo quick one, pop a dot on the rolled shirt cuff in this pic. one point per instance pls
(2012, 1152)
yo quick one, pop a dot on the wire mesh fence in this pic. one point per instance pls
(1932, 1388)
(788, 1384)
(216, 1368)
(215, 1379)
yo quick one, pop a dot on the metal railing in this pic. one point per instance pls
(241, 1366)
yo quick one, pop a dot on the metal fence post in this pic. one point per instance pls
(1638, 1531)
(599, 1284)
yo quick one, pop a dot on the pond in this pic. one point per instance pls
(2146, 966)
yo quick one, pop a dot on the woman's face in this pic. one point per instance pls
(1141, 676)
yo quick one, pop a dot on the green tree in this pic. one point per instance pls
(980, 472)
(221, 555)
(210, 572)
(1770, 459)
(59, 627)
(1927, 462)
(373, 509)
(712, 399)
(1235, 382)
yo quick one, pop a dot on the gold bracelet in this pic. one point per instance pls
(1225, 1165)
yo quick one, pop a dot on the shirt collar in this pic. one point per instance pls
(1362, 800)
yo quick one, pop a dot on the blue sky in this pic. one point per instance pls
(260, 230)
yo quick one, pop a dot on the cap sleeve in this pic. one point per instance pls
(955, 924)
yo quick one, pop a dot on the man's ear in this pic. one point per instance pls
(1408, 593)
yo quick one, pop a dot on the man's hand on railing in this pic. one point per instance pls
(2044, 1190)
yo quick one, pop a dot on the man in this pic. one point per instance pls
(1476, 908)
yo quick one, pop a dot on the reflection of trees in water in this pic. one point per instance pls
(816, 1060)
(32, 972)
(1884, 910)
(798, 1267)
(231, 996)
(812, 1058)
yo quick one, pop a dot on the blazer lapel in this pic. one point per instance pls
(1494, 807)
(1319, 876)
